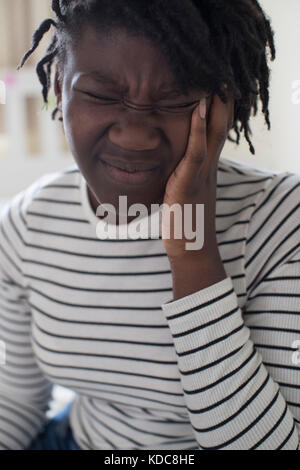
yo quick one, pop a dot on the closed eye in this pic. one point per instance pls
(178, 108)
(100, 97)
(114, 100)
(183, 105)
(105, 98)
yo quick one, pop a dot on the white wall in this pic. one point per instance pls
(19, 167)
(278, 149)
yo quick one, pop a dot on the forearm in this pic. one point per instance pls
(195, 272)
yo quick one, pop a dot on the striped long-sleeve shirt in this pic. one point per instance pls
(217, 369)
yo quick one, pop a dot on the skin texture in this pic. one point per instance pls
(186, 147)
(194, 182)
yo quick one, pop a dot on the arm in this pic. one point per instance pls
(24, 390)
(240, 383)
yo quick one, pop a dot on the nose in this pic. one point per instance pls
(133, 132)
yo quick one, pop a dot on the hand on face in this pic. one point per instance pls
(194, 180)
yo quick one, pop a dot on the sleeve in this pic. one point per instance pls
(24, 390)
(238, 366)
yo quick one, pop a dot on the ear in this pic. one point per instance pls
(58, 86)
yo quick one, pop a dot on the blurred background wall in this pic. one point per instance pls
(31, 144)
(278, 149)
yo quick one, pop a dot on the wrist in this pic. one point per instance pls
(208, 255)
(193, 273)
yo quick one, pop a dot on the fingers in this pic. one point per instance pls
(197, 145)
(220, 122)
(189, 166)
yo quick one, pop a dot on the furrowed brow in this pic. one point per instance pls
(166, 90)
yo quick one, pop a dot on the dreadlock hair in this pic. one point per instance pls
(206, 42)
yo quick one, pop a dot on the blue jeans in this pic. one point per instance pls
(56, 434)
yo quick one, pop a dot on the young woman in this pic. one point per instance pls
(165, 347)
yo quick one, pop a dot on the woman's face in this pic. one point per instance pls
(119, 102)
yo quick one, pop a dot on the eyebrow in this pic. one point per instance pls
(167, 89)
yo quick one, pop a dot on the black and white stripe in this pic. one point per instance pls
(212, 370)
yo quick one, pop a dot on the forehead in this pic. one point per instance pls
(120, 54)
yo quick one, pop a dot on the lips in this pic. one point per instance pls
(129, 165)
(128, 178)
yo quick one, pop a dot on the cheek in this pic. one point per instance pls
(180, 138)
(81, 128)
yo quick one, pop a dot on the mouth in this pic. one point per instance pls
(131, 173)
(129, 166)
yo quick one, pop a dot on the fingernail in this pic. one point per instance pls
(202, 108)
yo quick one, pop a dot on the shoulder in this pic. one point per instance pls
(14, 226)
(236, 173)
(239, 189)
(271, 203)
(269, 192)
(14, 214)
(22, 202)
